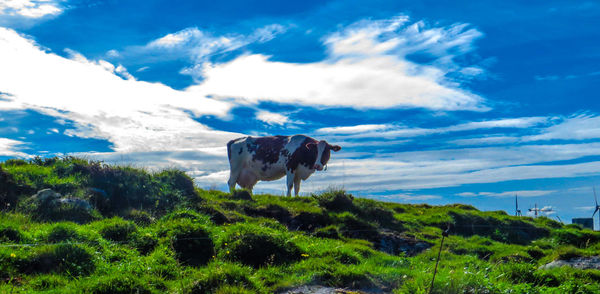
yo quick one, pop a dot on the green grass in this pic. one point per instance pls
(157, 233)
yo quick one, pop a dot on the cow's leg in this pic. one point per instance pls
(290, 182)
(297, 181)
(234, 174)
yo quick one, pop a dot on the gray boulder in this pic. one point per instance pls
(592, 262)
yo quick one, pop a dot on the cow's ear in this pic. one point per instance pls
(336, 148)
(311, 145)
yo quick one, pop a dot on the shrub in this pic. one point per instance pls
(344, 256)
(117, 230)
(575, 237)
(46, 282)
(220, 276)
(330, 232)
(8, 191)
(140, 217)
(144, 242)
(353, 227)
(507, 231)
(63, 258)
(62, 233)
(192, 243)
(376, 212)
(120, 284)
(345, 277)
(10, 234)
(335, 200)
(257, 247)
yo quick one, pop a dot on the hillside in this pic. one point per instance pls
(118, 229)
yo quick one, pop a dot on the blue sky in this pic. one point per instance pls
(435, 102)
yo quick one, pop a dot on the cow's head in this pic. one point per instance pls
(323, 153)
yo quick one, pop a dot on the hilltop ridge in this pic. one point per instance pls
(70, 225)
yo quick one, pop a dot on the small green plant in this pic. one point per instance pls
(120, 284)
(73, 260)
(62, 233)
(117, 230)
(258, 246)
(191, 242)
(223, 276)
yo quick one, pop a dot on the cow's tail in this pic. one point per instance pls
(229, 149)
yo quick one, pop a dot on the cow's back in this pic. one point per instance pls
(265, 157)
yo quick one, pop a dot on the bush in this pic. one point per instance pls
(64, 258)
(10, 234)
(335, 200)
(507, 231)
(257, 247)
(353, 227)
(117, 230)
(218, 276)
(140, 217)
(192, 243)
(330, 232)
(575, 237)
(62, 233)
(144, 242)
(346, 278)
(120, 284)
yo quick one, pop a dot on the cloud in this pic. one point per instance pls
(24, 13)
(272, 118)
(353, 129)
(407, 197)
(366, 67)
(9, 148)
(521, 193)
(30, 8)
(132, 115)
(579, 127)
(195, 45)
(401, 131)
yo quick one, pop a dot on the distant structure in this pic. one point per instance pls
(586, 222)
(517, 210)
(597, 207)
(537, 210)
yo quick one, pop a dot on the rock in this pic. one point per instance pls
(75, 202)
(49, 197)
(592, 262)
(395, 243)
(317, 289)
(46, 195)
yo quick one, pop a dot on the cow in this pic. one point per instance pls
(253, 159)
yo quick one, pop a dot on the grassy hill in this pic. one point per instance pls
(157, 233)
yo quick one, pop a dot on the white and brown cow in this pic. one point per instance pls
(254, 159)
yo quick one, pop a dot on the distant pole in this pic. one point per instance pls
(444, 234)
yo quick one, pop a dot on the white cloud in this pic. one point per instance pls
(8, 147)
(366, 68)
(353, 129)
(399, 131)
(521, 193)
(195, 45)
(579, 127)
(25, 13)
(30, 8)
(132, 115)
(272, 118)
